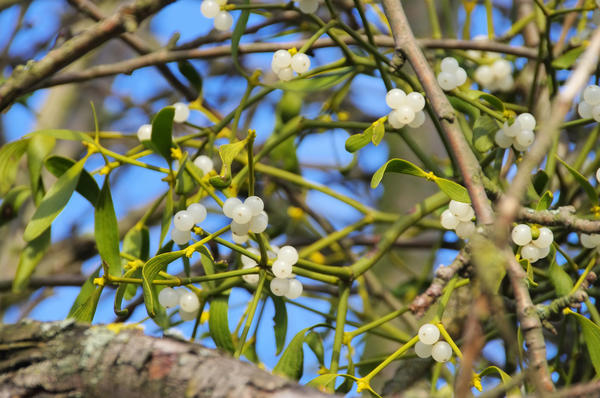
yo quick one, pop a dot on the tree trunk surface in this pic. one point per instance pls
(67, 359)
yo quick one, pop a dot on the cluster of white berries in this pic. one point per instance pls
(188, 302)
(428, 344)
(182, 113)
(184, 221)
(284, 283)
(212, 9)
(495, 77)
(532, 249)
(308, 6)
(589, 241)
(407, 109)
(590, 106)
(247, 216)
(284, 64)
(519, 134)
(458, 217)
(452, 75)
(204, 163)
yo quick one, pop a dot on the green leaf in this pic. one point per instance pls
(291, 363)
(453, 190)
(397, 166)
(10, 154)
(122, 291)
(505, 377)
(566, 60)
(86, 186)
(150, 271)
(494, 101)
(191, 74)
(560, 279)
(529, 269)
(238, 31)
(280, 320)
(106, 230)
(540, 179)
(465, 107)
(591, 335)
(315, 342)
(359, 141)
(39, 147)
(583, 182)
(12, 202)
(54, 201)
(228, 153)
(484, 129)
(378, 132)
(137, 242)
(63, 134)
(84, 307)
(545, 201)
(218, 323)
(30, 257)
(317, 83)
(162, 132)
(322, 380)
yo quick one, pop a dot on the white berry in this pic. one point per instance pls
(168, 297)
(441, 351)
(144, 133)
(282, 59)
(255, 204)
(249, 262)
(591, 94)
(484, 75)
(395, 98)
(280, 286)
(210, 8)
(465, 230)
(526, 121)
(183, 220)
(223, 21)
(502, 140)
(545, 237)
(300, 63)
(543, 251)
(198, 212)
(460, 77)
(530, 252)
(598, 175)
(468, 216)
(188, 316)
(521, 234)
(242, 214)
(525, 138)
(596, 113)
(182, 112)
(204, 163)
(288, 254)
(501, 68)
(189, 302)
(585, 110)
(308, 6)
(394, 119)
(459, 209)
(429, 334)
(415, 101)
(294, 289)
(423, 350)
(180, 237)
(405, 114)
(251, 279)
(418, 120)
(449, 220)
(589, 241)
(259, 223)
(239, 239)
(513, 129)
(229, 205)
(240, 229)
(286, 74)
(281, 269)
(449, 64)
(447, 81)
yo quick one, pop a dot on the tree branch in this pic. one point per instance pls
(68, 359)
(126, 18)
(563, 217)
(469, 167)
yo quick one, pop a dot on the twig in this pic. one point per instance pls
(125, 19)
(563, 217)
(468, 165)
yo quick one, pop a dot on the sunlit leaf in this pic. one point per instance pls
(280, 320)
(86, 186)
(84, 307)
(218, 323)
(150, 271)
(10, 154)
(582, 181)
(397, 166)
(106, 230)
(591, 335)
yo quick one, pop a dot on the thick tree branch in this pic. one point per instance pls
(563, 217)
(125, 19)
(469, 167)
(67, 359)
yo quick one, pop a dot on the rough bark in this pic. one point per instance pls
(66, 359)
